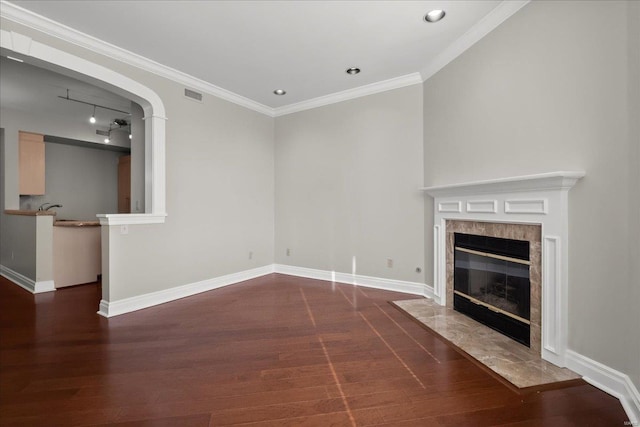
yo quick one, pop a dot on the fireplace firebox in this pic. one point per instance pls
(492, 283)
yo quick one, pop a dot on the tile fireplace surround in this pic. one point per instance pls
(533, 208)
(530, 233)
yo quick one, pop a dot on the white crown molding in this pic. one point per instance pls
(493, 19)
(561, 180)
(412, 288)
(52, 28)
(25, 283)
(127, 305)
(345, 95)
(608, 380)
(55, 29)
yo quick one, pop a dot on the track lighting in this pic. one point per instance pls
(92, 119)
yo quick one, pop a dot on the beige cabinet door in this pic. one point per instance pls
(31, 163)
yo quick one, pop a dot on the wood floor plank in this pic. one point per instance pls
(273, 351)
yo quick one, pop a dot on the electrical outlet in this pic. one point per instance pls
(250, 255)
(288, 252)
(389, 263)
(124, 229)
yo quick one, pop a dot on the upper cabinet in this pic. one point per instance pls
(31, 163)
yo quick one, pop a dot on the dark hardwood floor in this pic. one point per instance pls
(277, 350)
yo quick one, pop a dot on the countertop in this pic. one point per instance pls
(29, 213)
(74, 223)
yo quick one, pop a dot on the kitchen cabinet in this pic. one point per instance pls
(124, 184)
(31, 164)
(77, 255)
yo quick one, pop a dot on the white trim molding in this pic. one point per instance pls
(55, 29)
(531, 199)
(412, 288)
(608, 380)
(561, 180)
(491, 21)
(60, 31)
(25, 283)
(125, 219)
(151, 103)
(357, 92)
(482, 206)
(127, 305)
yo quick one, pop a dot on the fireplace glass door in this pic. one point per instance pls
(491, 283)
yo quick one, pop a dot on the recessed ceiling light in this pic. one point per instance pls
(434, 15)
(279, 92)
(353, 70)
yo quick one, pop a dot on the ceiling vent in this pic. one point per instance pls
(102, 132)
(191, 94)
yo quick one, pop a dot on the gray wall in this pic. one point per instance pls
(220, 196)
(59, 174)
(17, 233)
(219, 190)
(83, 180)
(347, 184)
(550, 89)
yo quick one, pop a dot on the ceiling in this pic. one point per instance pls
(25, 87)
(251, 48)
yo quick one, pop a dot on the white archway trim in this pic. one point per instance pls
(154, 119)
(41, 23)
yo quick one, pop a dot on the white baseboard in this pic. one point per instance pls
(608, 380)
(127, 305)
(413, 288)
(25, 283)
(44, 286)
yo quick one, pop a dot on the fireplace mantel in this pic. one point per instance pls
(532, 199)
(538, 182)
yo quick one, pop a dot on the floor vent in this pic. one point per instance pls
(193, 95)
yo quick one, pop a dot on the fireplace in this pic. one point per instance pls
(492, 284)
(531, 208)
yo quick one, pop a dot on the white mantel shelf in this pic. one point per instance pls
(561, 180)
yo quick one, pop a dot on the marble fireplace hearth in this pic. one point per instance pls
(521, 366)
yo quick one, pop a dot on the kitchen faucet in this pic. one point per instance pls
(42, 206)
